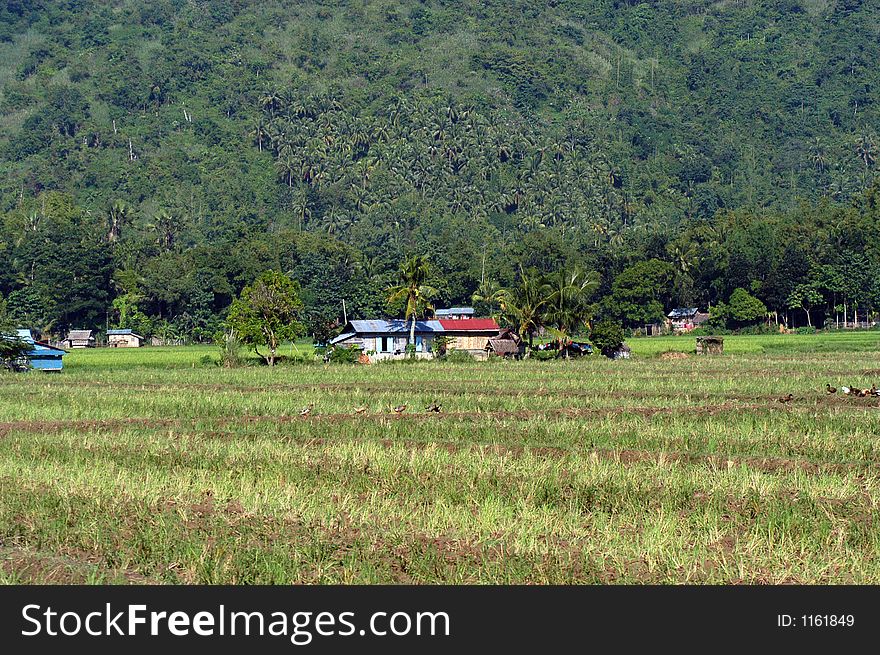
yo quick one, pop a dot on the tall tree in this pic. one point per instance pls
(413, 287)
(524, 303)
(267, 313)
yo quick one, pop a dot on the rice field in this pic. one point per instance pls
(157, 466)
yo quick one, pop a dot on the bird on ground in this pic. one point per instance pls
(360, 410)
(874, 391)
(433, 407)
(305, 411)
(830, 389)
(399, 409)
(787, 399)
(846, 390)
(862, 392)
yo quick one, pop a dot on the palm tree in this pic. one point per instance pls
(118, 215)
(165, 226)
(567, 305)
(490, 293)
(413, 278)
(524, 304)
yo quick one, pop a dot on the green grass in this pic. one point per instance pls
(149, 466)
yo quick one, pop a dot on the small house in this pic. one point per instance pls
(454, 313)
(469, 334)
(381, 339)
(124, 339)
(506, 343)
(685, 319)
(42, 356)
(79, 339)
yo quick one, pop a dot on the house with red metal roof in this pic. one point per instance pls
(469, 334)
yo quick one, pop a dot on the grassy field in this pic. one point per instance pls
(153, 466)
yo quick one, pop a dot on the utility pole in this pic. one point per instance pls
(344, 314)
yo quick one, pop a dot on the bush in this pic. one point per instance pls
(344, 355)
(457, 356)
(805, 330)
(544, 355)
(607, 336)
(763, 328)
(709, 332)
(230, 349)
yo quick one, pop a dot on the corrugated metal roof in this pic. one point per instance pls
(342, 337)
(109, 332)
(454, 310)
(681, 312)
(394, 325)
(25, 335)
(470, 325)
(79, 334)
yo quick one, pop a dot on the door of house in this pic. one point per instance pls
(385, 346)
(419, 346)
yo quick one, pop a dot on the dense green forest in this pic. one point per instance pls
(158, 156)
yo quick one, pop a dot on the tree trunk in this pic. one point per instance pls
(412, 330)
(809, 321)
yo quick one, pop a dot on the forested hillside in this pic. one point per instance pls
(158, 156)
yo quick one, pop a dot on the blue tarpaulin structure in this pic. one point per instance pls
(42, 356)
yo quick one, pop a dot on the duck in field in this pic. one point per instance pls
(787, 399)
(305, 411)
(433, 407)
(360, 410)
(845, 390)
(830, 389)
(400, 409)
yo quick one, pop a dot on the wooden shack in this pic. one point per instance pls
(506, 343)
(79, 339)
(710, 345)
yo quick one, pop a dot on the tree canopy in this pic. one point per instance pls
(167, 153)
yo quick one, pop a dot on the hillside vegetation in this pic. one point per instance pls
(163, 154)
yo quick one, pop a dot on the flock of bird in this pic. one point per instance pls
(434, 407)
(855, 391)
(858, 392)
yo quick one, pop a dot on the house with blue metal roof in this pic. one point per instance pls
(124, 339)
(42, 356)
(455, 313)
(382, 339)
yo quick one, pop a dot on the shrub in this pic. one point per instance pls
(344, 355)
(709, 332)
(762, 328)
(230, 349)
(459, 356)
(805, 330)
(607, 336)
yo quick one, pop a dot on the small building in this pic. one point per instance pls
(79, 339)
(381, 339)
(454, 313)
(42, 356)
(469, 334)
(506, 343)
(124, 339)
(710, 345)
(685, 319)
